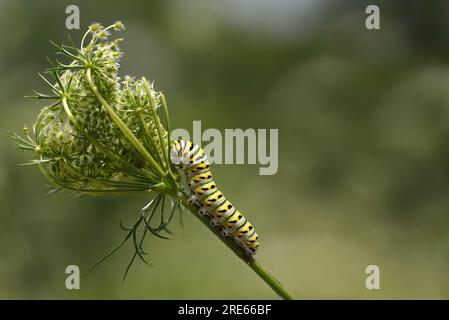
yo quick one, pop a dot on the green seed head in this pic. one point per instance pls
(101, 134)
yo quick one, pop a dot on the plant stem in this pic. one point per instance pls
(270, 280)
(231, 244)
(122, 126)
(157, 121)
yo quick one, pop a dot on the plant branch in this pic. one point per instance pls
(157, 121)
(231, 244)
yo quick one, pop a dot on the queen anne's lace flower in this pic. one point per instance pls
(100, 134)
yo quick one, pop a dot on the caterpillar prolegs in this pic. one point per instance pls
(191, 161)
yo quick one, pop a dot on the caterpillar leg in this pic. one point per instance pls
(203, 211)
(193, 199)
(251, 251)
(213, 223)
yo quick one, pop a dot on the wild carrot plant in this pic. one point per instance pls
(100, 134)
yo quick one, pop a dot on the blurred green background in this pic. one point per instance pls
(363, 119)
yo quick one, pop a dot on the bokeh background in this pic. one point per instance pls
(363, 119)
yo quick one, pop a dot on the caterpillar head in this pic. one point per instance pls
(177, 155)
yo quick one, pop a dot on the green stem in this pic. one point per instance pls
(136, 172)
(270, 280)
(157, 121)
(122, 126)
(167, 119)
(231, 244)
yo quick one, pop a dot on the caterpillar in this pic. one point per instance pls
(191, 161)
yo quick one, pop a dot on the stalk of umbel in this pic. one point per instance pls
(103, 135)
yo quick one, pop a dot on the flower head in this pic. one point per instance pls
(103, 135)
(119, 26)
(100, 134)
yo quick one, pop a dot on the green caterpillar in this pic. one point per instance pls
(192, 162)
